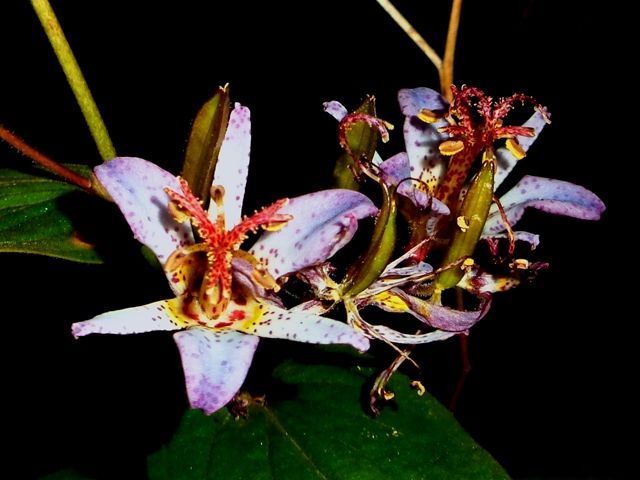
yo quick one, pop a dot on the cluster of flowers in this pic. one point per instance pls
(226, 295)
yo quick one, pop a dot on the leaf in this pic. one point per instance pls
(321, 432)
(66, 474)
(205, 141)
(32, 219)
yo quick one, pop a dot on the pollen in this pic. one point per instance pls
(462, 223)
(515, 148)
(451, 147)
(417, 384)
(520, 264)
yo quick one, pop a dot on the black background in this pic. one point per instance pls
(549, 395)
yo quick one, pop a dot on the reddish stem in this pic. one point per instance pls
(20, 145)
(466, 368)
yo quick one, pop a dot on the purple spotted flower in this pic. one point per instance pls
(425, 161)
(431, 174)
(224, 295)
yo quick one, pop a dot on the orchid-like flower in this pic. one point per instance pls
(225, 296)
(430, 139)
(442, 142)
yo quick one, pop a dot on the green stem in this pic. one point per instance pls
(413, 34)
(75, 78)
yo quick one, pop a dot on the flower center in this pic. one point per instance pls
(476, 122)
(206, 266)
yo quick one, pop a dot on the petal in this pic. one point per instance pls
(436, 316)
(549, 195)
(323, 222)
(335, 109)
(300, 326)
(215, 365)
(396, 171)
(394, 336)
(137, 187)
(233, 165)
(147, 318)
(412, 100)
(422, 139)
(506, 160)
(421, 142)
(480, 283)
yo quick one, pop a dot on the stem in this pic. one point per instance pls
(446, 72)
(75, 78)
(20, 145)
(404, 24)
(466, 368)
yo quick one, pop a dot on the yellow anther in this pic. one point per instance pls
(462, 223)
(428, 116)
(451, 147)
(388, 395)
(515, 148)
(520, 264)
(417, 384)
(468, 262)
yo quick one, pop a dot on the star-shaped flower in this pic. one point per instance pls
(225, 296)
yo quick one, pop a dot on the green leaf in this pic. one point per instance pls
(313, 427)
(362, 139)
(205, 141)
(66, 474)
(32, 219)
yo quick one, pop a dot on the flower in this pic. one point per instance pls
(426, 162)
(435, 185)
(224, 296)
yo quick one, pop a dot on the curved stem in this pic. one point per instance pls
(412, 33)
(20, 145)
(446, 73)
(75, 78)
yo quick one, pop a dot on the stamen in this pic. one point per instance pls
(219, 245)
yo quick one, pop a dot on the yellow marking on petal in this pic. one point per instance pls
(253, 312)
(515, 148)
(451, 147)
(391, 301)
(184, 311)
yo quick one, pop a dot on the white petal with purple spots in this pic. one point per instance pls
(323, 222)
(335, 109)
(412, 100)
(136, 186)
(147, 318)
(306, 327)
(437, 316)
(215, 365)
(394, 336)
(506, 160)
(233, 165)
(546, 194)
